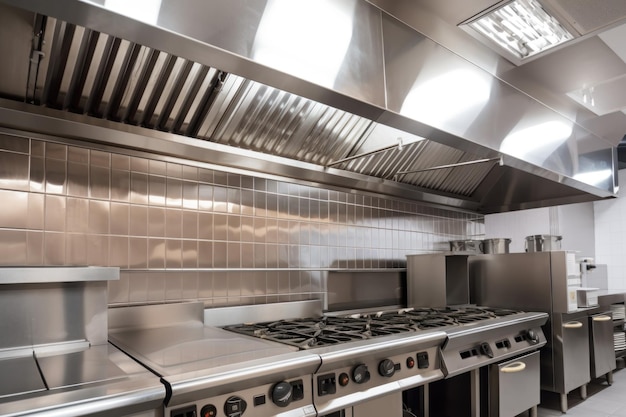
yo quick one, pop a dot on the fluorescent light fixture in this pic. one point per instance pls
(522, 27)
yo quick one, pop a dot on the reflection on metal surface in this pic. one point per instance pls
(298, 53)
(536, 142)
(445, 97)
(143, 10)
(594, 177)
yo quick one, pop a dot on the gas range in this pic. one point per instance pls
(368, 354)
(218, 362)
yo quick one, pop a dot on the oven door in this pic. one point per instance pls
(389, 406)
(514, 385)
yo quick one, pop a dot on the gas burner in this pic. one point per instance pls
(500, 312)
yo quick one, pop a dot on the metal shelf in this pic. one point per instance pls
(48, 274)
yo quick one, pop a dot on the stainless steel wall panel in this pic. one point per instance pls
(173, 223)
(190, 254)
(206, 254)
(14, 171)
(14, 144)
(14, 246)
(119, 251)
(190, 286)
(34, 250)
(156, 190)
(190, 224)
(77, 215)
(257, 224)
(14, 206)
(174, 192)
(156, 221)
(120, 214)
(54, 249)
(138, 188)
(77, 179)
(174, 288)
(156, 288)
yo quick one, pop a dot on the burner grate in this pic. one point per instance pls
(307, 333)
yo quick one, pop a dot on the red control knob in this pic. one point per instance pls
(208, 411)
(410, 362)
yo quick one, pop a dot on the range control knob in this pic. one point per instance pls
(360, 374)
(281, 394)
(344, 379)
(234, 406)
(532, 337)
(410, 362)
(386, 368)
(208, 410)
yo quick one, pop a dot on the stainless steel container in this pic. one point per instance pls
(494, 246)
(467, 246)
(543, 243)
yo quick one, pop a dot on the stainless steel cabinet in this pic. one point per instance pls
(601, 345)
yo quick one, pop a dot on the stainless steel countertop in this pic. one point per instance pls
(99, 379)
(608, 297)
(192, 347)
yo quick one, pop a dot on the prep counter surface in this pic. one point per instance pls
(99, 379)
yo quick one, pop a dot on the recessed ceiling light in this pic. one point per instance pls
(522, 28)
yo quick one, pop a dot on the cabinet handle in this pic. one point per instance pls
(572, 325)
(514, 367)
(602, 318)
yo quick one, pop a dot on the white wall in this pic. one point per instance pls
(574, 222)
(516, 225)
(610, 236)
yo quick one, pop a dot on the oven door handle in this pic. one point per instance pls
(513, 367)
(572, 325)
(602, 318)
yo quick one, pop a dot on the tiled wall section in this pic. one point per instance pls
(182, 232)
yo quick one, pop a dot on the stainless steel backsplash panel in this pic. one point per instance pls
(186, 231)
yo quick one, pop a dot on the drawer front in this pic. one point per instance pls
(514, 385)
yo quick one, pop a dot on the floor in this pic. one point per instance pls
(602, 400)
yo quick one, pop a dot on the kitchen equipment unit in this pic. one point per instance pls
(496, 245)
(540, 281)
(543, 243)
(466, 246)
(437, 280)
(54, 355)
(209, 371)
(476, 337)
(587, 297)
(364, 358)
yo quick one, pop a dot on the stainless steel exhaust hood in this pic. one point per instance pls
(332, 92)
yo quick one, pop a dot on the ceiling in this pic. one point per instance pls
(159, 90)
(594, 60)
